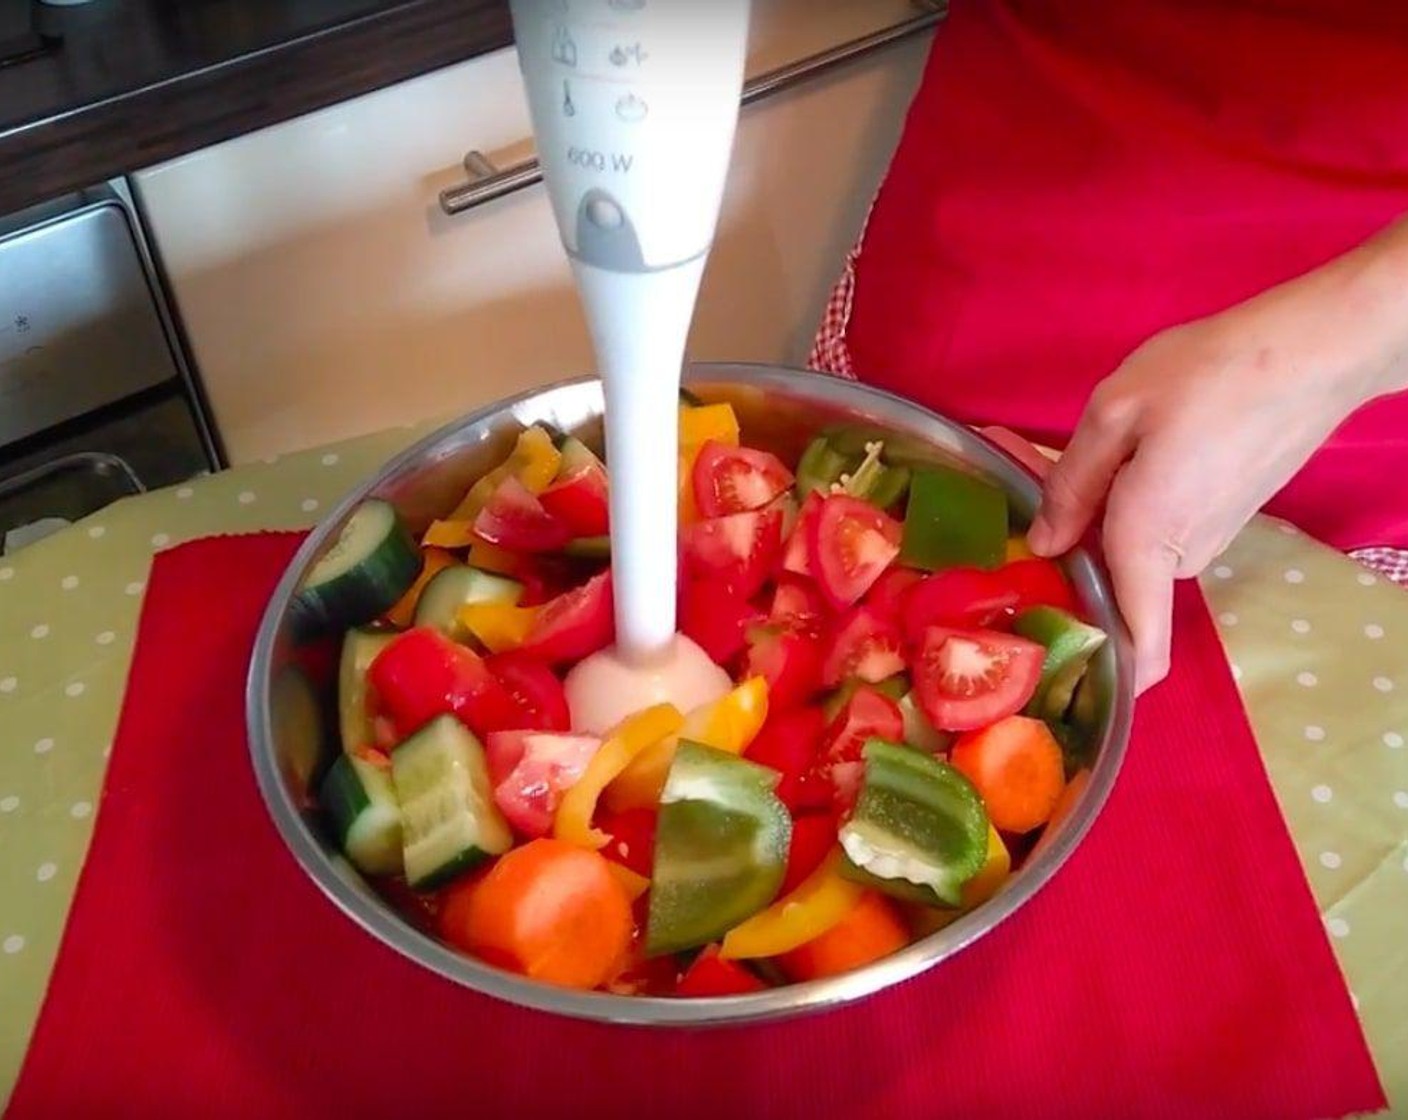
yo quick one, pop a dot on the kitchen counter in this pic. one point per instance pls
(135, 82)
(1315, 641)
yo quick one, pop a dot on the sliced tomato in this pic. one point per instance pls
(965, 679)
(791, 664)
(868, 714)
(813, 837)
(864, 645)
(574, 624)
(632, 839)
(542, 704)
(1037, 583)
(797, 556)
(717, 619)
(737, 551)
(789, 742)
(797, 606)
(852, 544)
(579, 500)
(711, 975)
(886, 597)
(422, 674)
(531, 770)
(515, 519)
(730, 479)
(960, 598)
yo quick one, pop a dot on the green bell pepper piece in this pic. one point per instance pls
(1070, 644)
(953, 518)
(720, 848)
(820, 466)
(919, 830)
(919, 733)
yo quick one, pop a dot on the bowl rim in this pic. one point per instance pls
(343, 886)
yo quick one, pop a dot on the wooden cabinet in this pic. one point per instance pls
(325, 293)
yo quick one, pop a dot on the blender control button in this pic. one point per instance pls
(603, 213)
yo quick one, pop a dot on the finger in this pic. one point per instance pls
(1143, 567)
(1021, 449)
(1102, 441)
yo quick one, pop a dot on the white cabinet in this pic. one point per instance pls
(325, 293)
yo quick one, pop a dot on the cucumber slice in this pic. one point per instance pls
(360, 802)
(1070, 644)
(448, 816)
(369, 567)
(457, 586)
(299, 739)
(359, 650)
(918, 823)
(720, 848)
(919, 733)
(589, 548)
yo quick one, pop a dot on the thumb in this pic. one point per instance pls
(1078, 482)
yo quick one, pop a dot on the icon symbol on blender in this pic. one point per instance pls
(564, 47)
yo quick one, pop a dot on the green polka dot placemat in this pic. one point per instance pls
(1315, 642)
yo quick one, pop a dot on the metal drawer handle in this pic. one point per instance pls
(488, 182)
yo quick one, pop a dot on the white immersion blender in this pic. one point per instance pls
(634, 106)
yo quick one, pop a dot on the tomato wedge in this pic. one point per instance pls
(422, 674)
(1037, 583)
(788, 742)
(797, 556)
(730, 479)
(965, 679)
(576, 623)
(886, 598)
(711, 975)
(868, 714)
(579, 500)
(515, 519)
(797, 607)
(534, 688)
(715, 618)
(959, 598)
(852, 544)
(791, 664)
(631, 839)
(866, 646)
(737, 551)
(531, 770)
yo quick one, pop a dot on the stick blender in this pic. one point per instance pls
(634, 105)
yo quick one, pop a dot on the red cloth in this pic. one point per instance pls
(1175, 967)
(1074, 177)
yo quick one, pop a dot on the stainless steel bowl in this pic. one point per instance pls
(780, 408)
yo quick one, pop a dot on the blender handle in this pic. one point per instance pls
(488, 182)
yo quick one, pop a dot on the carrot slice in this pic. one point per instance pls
(872, 929)
(548, 910)
(1017, 767)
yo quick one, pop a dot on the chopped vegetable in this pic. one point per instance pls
(720, 849)
(531, 769)
(534, 689)
(870, 931)
(713, 975)
(789, 742)
(359, 649)
(578, 496)
(864, 646)
(498, 627)
(822, 900)
(514, 519)
(534, 462)
(422, 674)
(432, 560)
(548, 910)
(790, 663)
(731, 479)
(738, 551)
(954, 518)
(360, 801)
(852, 544)
(1017, 767)
(456, 586)
(969, 678)
(574, 624)
(959, 598)
(574, 816)
(1070, 644)
(918, 823)
(715, 617)
(363, 574)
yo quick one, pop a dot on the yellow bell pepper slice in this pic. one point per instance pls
(701, 423)
(573, 822)
(449, 533)
(1017, 549)
(498, 626)
(432, 560)
(491, 558)
(633, 884)
(728, 724)
(820, 901)
(996, 867)
(534, 461)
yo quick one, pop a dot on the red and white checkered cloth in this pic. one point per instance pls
(830, 354)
